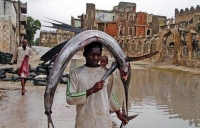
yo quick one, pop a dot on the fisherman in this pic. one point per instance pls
(22, 55)
(91, 95)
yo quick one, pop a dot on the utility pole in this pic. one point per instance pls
(19, 12)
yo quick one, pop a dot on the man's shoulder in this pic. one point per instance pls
(78, 69)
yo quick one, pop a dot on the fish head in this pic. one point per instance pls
(125, 72)
(125, 78)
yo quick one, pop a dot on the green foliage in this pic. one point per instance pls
(37, 41)
(31, 27)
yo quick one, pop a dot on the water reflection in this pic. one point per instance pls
(162, 99)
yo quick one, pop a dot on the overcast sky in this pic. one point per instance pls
(62, 10)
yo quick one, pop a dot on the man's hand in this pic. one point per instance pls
(98, 86)
(121, 117)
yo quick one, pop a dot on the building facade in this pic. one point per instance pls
(122, 20)
(7, 26)
(21, 20)
(10, 28)
(140, 33)
(52, 38)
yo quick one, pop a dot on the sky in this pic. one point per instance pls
(62, 10)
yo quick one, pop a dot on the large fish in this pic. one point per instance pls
(127, 117)
(71, 48)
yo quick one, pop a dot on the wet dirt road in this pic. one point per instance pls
(162, 99)
(27, 111)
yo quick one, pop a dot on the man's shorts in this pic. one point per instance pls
(23, 75)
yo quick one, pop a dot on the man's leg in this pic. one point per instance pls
(23, 82)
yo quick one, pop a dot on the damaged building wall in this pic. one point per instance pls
(125, 18)
(141, 24)
(52, 38)
(112, 29)
(48, 38)
(5, 36)
(7, 27)
(104, 16)
(139, 33)
(90, 16)
(188, 19)
(186, 15)
(125, 7)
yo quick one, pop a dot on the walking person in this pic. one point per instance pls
(22, 55)
(91, 95)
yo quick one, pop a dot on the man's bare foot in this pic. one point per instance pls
(23, 92)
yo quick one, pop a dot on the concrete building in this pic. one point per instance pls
(52, 38)
(21, 20)
(9, 24)
(122, 20)
(140, 33)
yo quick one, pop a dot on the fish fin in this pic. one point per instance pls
(52, 52)
(142, 57)
(54, 20)
(64, 26)
(132, 117)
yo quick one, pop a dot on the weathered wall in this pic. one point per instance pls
(5, 39)
(48, 38)
(112, 29)
(124, 15)
(52, 38)
(126, 7)
(63, 35)
(141, 18)
(104, 16)
(126, 18)
(140, 31)
(7, 12)
(90, 16)
(169, 44)
(154, 25)
(8, 26)
(186, 15)
(141, 24)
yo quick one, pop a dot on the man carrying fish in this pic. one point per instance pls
(91, 95)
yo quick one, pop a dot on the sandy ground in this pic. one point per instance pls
(28, 111)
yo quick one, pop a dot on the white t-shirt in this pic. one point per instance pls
(92, 111)
(20, 54)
